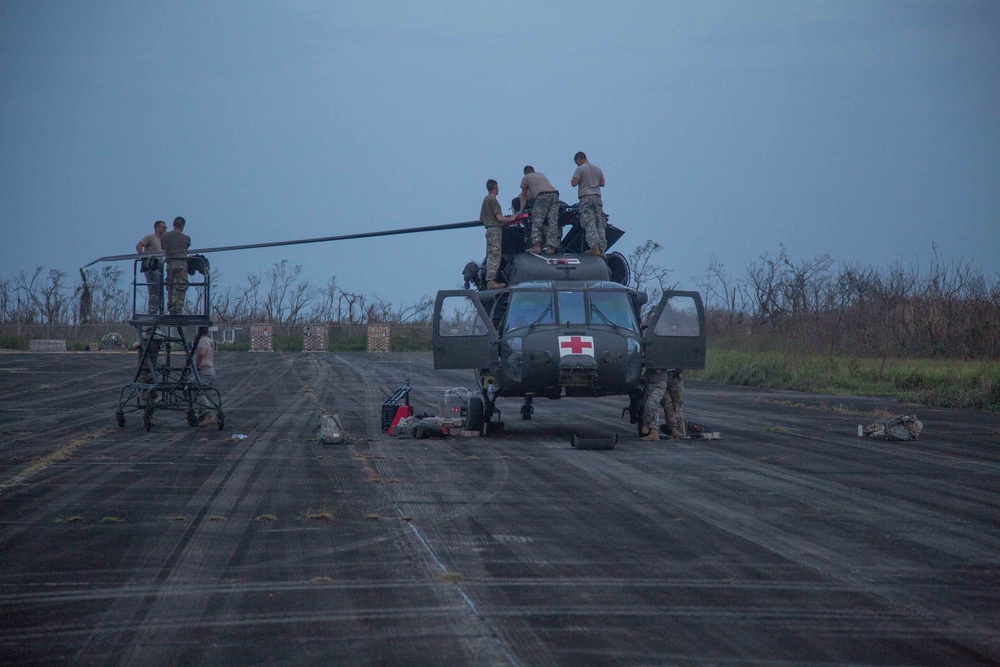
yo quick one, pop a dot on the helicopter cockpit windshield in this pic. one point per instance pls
(613, 308)
(530, 308)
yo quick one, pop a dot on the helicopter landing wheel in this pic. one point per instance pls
(475, 414)
(527, 409)
(120, 418)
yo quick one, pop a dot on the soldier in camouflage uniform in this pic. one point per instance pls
(492, 219)
(673, 405)
(544, 199)
(175, 245)
(589, 179)
(652, 395)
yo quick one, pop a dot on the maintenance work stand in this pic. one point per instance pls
(166, 377)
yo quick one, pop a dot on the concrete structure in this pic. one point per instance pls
(378, 338)
(261, 338)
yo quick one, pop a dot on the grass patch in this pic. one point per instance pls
(69, 519)
(453, 576)
(267, 517)
(10, 342)
(950, 384)
(177, 518)
(112, 519)
(373, 517)
(347, 343)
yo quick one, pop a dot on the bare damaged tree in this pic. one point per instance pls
(647, 276)
(287, 296)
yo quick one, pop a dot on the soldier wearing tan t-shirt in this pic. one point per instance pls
(175, 244)
(537, 189)
(589, 179)
(150, 243)
(493, 220)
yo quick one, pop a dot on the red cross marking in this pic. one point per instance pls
(576, 344)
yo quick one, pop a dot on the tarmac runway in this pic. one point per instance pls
(790, 541)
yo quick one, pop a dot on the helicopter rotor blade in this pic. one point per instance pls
(324, 239)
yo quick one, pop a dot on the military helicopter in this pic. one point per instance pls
(565, 325)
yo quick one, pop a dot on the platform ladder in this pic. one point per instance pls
(166, 376)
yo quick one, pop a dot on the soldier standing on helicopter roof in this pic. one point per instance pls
(589, 179)
(491, 217)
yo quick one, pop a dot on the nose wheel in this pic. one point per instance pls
(527, 409)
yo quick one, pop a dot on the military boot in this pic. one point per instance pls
(492, 284)
(676, 433)
(537, 248)
(652, 435)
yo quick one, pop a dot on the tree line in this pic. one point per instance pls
(947, 309)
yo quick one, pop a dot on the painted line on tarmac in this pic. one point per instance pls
(38, 465)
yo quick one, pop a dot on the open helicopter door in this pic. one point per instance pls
(463, 335)
(675, 337)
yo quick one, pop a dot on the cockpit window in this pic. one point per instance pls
(613, 308)
(528, 308)
(571, 309)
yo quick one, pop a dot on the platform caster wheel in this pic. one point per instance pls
(147, 417)
(192, 418)
(221, 420)
(120, 418)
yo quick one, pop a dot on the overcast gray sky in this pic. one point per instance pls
(866, 130)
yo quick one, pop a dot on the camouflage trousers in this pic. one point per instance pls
(493, 238)
(592, 220)
(652, 395)
(545, 220)
(154, 283)
(177, 284)
(673, 403)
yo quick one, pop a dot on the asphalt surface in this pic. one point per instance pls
(789, 541)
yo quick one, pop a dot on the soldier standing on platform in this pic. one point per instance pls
(154, 283)
(175, 245)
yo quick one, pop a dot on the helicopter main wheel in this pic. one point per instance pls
(489, 409)
(527, 409)
(120, 418)
(475, 419)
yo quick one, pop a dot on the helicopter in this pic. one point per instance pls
(565, 325)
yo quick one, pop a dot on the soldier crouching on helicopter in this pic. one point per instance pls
(537, 189)
(490, 216)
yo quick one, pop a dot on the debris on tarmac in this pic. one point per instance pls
(330, 431)
(900, 427)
